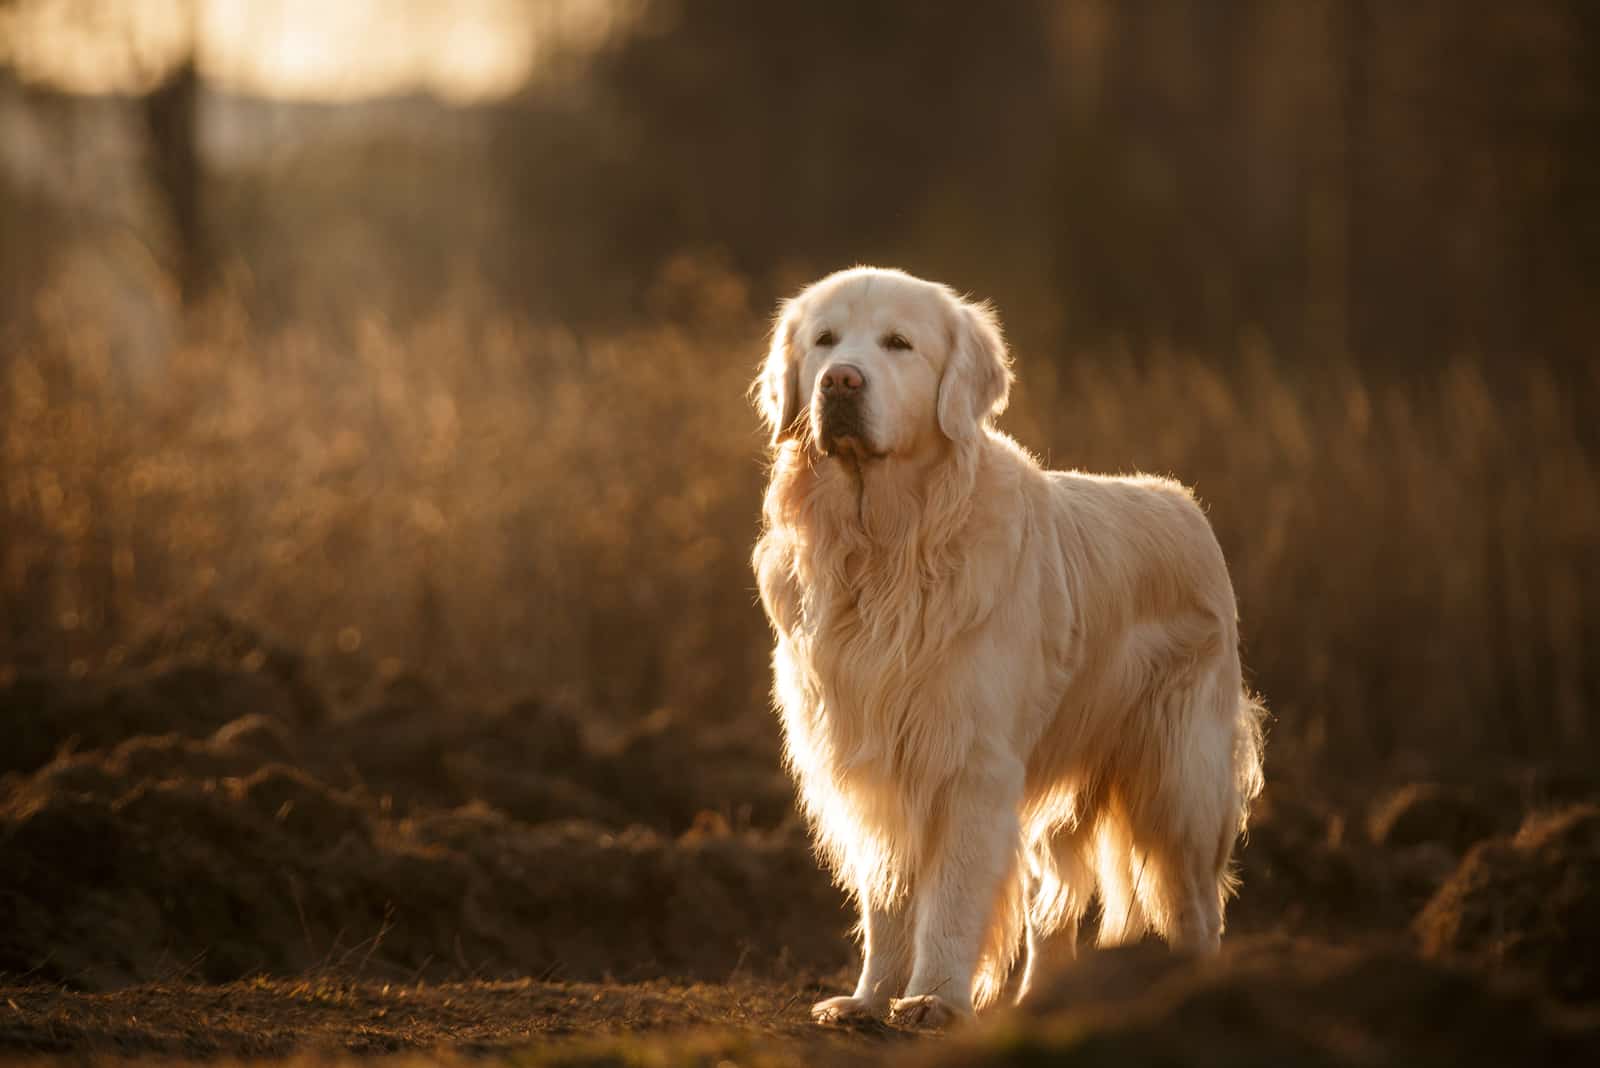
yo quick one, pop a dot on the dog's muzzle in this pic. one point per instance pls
(840, 424)
(840, 421)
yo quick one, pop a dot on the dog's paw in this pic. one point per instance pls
(845, 1010)
(929, 1011)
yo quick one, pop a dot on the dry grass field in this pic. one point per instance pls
(381, 666)
(375, 689)
(512, 509)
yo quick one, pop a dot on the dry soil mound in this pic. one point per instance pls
(1273, 1002)
(199, 813)
(1530, 902)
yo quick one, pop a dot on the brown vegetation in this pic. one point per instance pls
(379, 655)
(1528, 902)
(512, 509)
(448, 515)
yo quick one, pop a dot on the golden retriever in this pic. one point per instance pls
(1004, 690)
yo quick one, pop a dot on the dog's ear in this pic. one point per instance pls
(977, 378)
(777, 388)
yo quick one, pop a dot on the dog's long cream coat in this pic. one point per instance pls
(1005, 691)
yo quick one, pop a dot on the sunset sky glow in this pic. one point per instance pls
(302, 49)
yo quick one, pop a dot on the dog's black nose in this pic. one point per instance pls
(841, 379)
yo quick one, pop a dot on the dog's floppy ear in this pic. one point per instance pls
(777, 388)
(977, 378)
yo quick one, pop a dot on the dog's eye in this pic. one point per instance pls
(826, 340)
(896, 341)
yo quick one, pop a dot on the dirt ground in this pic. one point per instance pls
(204, 857)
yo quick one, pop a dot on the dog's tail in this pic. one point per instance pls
(1249, 738)
(1003, 941)
(1250, 730)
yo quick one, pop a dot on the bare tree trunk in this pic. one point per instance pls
(170, 114)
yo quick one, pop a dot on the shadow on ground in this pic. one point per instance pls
(204, 858)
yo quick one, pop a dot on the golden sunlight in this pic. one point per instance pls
(305, 49)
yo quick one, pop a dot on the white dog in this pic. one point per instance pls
(1003, 689)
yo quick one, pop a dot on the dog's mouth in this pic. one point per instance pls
(846, 447)
(839, 432)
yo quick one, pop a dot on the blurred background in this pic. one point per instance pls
(416, 333)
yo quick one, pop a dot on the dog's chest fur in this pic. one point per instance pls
(876, 686)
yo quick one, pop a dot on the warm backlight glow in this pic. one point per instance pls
(308, 49)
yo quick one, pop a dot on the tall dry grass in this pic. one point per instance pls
(1415, 561)
(521, 509)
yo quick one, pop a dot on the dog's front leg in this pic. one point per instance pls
(957, 896)
(886, 942)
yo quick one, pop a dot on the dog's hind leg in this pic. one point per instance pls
(1062, 886)
(1185, 895)
(1047, 948)
(1187, 824)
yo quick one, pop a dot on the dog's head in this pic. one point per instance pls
(871, 363)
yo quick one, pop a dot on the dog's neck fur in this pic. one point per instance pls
(878, 506)
(870, 543)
